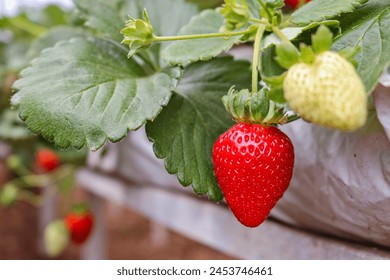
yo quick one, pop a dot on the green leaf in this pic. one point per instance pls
(84, 91)
(322, 40)
(184, 52)
(320, 10)
(53, 36)
(254, 8)
(167, 16)
(307, 54)
(287, 55)
(108, 18)
(53, 15)
(269, 67)
(368, 28)
(103, 16)
(11, 127)
(275, 92)
(185, 131)
(293, 33)
(349, 54)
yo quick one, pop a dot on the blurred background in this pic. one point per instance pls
(31, 168)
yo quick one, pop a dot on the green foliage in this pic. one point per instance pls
(322, 40)
(185, 131)
(249, 107)
(320, 10)
(368, 29)
(73, 107)
(53, 36)
(11, 127)
(84, 90)
(102, 16)
(287, 55)
(236, 14)
(184, 52)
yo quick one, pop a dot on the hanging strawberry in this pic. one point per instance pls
(253, 165)
(323, 87)
(79, 223)
(253, 160)
(47, 159)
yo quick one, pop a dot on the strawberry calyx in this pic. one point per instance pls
(254, 108)
(80, 209)
(236, 14)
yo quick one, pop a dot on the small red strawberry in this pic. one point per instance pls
(253, 165)
(79, 223)
(293, 4)
(47, 159)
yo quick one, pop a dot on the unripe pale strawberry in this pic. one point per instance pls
(327, 92)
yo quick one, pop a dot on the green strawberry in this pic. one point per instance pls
(327, 92)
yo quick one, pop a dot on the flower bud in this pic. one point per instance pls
(138, 34)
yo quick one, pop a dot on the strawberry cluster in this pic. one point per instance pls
(76, 226)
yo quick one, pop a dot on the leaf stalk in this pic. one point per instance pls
(256, 58)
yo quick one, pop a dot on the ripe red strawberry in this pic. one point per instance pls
(80, 224)
(47, 159)
(253, 165)
(293, 3)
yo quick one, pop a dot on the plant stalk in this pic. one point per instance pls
(200, 36)
(28, 26)
(266, 9)
(256, 58)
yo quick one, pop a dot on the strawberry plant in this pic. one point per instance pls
(163, 65)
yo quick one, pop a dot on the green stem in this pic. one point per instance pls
(266, 9)
(285, 24)
(29, 198)
(256, 58)
(261, 21)
(28, 26)
(42, 180)
(280, 34)
(200, 36)
(148, 60)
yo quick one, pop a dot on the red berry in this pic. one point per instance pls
(293, 3)
(253, 165)
(79, 225)
(47, 159)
